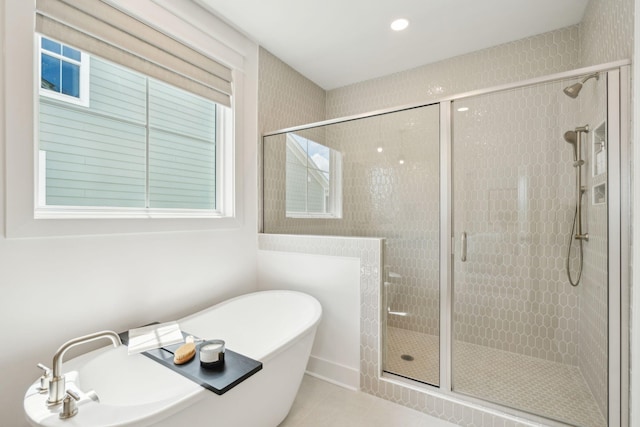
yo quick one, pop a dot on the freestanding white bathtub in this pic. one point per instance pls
(274, 327)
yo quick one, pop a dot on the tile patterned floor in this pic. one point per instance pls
(422, 347)
(533, 385)
(322, 404)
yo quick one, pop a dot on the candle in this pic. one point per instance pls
(211, 353)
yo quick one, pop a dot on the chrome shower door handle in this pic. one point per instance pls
(463, 238)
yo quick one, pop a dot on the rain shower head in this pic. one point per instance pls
(574, 90)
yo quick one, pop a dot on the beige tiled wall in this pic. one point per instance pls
(606, 34)
(593, 289)
(285, 97)
(547, 53)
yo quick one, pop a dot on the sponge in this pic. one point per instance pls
(185, 352)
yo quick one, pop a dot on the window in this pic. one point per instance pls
(64, 72)
(131, 121)
(140, 143)
(313, 179)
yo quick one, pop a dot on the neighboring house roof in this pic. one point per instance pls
(46, 84)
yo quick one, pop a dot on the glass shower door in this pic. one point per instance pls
(522, 335)
(404, 183)
(384, 171)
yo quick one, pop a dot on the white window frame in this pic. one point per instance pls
(85, 67)
(334, 206)
(203, 32)
(224, 158)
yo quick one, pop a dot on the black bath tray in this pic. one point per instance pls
(236, 368)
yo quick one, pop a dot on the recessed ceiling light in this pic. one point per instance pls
(463, 109)
(399, 24)
(379, 149)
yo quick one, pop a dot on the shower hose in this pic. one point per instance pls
(571, 240)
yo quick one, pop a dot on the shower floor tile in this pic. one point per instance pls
(533, 385)
(421, 347)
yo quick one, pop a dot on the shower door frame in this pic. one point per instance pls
(618, 245)
(618, 220)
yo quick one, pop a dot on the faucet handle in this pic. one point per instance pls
(47, 371)
(73, 394)
(44, 379)
(69, 406)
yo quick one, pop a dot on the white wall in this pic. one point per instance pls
(57, 288)
(335, 283)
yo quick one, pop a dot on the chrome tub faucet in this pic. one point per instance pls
(57, 389)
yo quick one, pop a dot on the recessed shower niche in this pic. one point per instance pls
(475, 198)
(599, 147)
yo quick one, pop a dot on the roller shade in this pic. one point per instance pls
(102, 30)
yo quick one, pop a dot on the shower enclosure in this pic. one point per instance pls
(504, 240)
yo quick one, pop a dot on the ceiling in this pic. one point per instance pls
(335, 43)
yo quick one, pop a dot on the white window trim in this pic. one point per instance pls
(85, 68)
(335, 192)
(188, 23)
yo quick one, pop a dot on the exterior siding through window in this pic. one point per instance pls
(97, 156)
(307, 186)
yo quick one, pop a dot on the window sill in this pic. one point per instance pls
(82, 222)
(52, 224)
(307, 215)
(116, 213)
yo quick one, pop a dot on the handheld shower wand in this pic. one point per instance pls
(574, 137)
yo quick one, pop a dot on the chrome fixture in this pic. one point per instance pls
(69, 406)
(574, 90)
(574, 137)
(397, 313)
(463, 241)
(571, 136)
(44, 379)
(57, 389)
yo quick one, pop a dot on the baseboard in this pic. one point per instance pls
(335, 373)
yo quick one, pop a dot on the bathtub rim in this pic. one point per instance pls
(309, 324)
